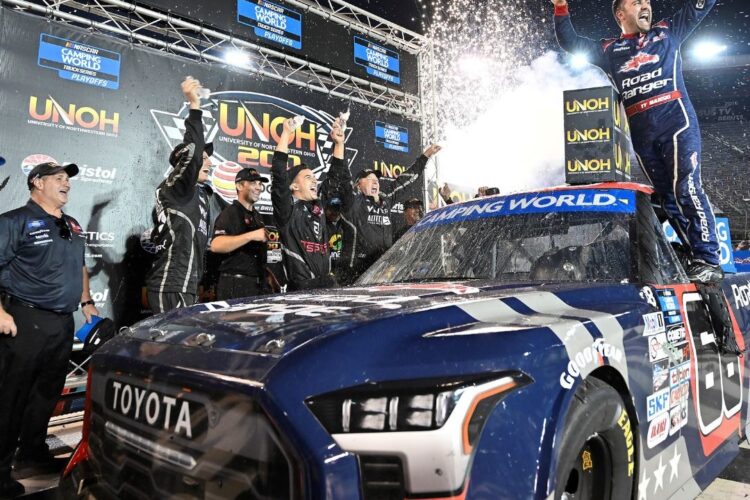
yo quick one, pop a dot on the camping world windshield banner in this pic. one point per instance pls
(117, 111)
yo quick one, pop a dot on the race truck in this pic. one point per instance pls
(538, 345)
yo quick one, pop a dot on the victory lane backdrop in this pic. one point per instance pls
(117, 111)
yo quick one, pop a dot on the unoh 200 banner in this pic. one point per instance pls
(117, 111)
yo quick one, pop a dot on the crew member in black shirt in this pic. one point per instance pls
(240, 235)
(43, 280)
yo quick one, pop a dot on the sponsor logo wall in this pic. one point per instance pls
(116, 111)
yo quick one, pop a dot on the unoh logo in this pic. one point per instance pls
(73, 117)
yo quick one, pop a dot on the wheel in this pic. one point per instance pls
(597, 452)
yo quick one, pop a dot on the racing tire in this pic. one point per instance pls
(597, 452)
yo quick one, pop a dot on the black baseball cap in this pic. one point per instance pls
(294, 171)
(249, 174)
(413, 203)
(50, 168)
(364, 173)
(182, 148)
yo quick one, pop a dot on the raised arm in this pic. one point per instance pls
(340, 179)
(184, 174)
(689, 16)
(281, 195)
(411, 175)
(570, 41)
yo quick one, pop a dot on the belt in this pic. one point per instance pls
(652, 102)
(257, 279)
(10, 299)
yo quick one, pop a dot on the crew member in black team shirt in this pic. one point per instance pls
(43, 280)
(239, 233)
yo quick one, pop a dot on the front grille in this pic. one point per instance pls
(382, 477)
(237, 455)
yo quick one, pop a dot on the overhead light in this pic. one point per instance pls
(579, 61)
(708, 50)
(237, 57)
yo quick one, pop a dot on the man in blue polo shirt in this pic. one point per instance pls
(43, 280)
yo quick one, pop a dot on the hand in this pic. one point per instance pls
(191, 87)
(481, 191)
(289, 127)
(257, 235)
(337, 132)
(7, 324)
(445, 192)
(88, 311)
(432, 150)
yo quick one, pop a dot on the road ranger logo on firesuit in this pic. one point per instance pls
(646, 79)
(637, 61)
(589, 357)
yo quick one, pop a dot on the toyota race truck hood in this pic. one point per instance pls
(278, 324)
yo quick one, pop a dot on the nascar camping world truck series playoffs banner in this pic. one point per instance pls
(287, 28)
(117, 111)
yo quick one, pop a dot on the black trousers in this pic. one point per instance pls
(33, 366)
(232, 286)
(163, 302)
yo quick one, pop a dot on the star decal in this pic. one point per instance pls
(674, 464)
(659, 475)
(643, 485)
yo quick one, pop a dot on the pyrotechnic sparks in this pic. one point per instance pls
(499, 96)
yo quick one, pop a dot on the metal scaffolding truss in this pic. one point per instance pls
(364, 22)
(166, 32)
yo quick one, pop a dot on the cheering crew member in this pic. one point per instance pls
(645, 65)
(239, 233)
(182, 207)
(299, 215)
(43, 280)
(367, 213)
(413, 211)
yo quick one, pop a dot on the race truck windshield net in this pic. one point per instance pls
(508, 239)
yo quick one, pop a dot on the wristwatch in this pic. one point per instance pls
(87, 302)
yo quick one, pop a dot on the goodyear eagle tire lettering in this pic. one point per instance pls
(596, 456)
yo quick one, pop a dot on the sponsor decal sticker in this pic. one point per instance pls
(676, 333)
(656, 344)
(657, 403)
(668, 300)
(653, 323)
(658, 430)
(79, 62)
(678, 417)
(660, 374)
(586, 462)
(741, 294)
(678, 393)
(677, 354)
(679, 374)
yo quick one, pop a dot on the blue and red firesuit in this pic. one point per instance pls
(646, 68)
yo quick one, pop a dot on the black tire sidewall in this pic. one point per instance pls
(596, 409)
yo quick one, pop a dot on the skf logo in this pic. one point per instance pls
(595, 165)
(590, 135)
(587, 105)
(638, 61)
(73, 117)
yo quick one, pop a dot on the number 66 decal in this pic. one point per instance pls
(718, 384)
